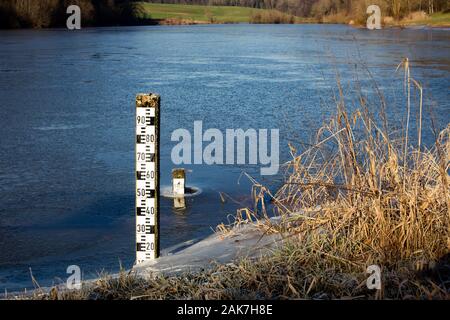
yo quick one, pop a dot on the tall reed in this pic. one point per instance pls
(366, 194)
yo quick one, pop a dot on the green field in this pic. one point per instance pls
(434, 20)
(224, 14)
(437, 20)
(219, 14)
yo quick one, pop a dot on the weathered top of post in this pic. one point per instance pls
(178, 174)
(147, 100)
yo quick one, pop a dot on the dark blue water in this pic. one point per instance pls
(67, 122)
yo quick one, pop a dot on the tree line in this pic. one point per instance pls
(52, 13)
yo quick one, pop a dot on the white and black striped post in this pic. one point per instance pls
(147, 177)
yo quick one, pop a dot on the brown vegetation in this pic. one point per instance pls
(272, 16)
(366, 193)
(180, 21)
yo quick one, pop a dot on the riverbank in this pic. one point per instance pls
(170, 14)
(418, 19)
(244, 241)
(143, 13)
(256, 260)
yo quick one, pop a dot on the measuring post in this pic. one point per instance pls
(179, 188)
(178, 182)
(147, 177)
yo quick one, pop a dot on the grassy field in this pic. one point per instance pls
(174, 14)
(435, 20)
(210, 14)
(197, 13)
(224, 14)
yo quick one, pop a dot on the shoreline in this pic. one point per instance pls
(169, 22)
(243, 241)
(135, 13)
(201, 23)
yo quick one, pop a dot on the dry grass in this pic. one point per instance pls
(337, 18)
(361, 195)
(292, 272)
(271, 17)
(371, 195)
